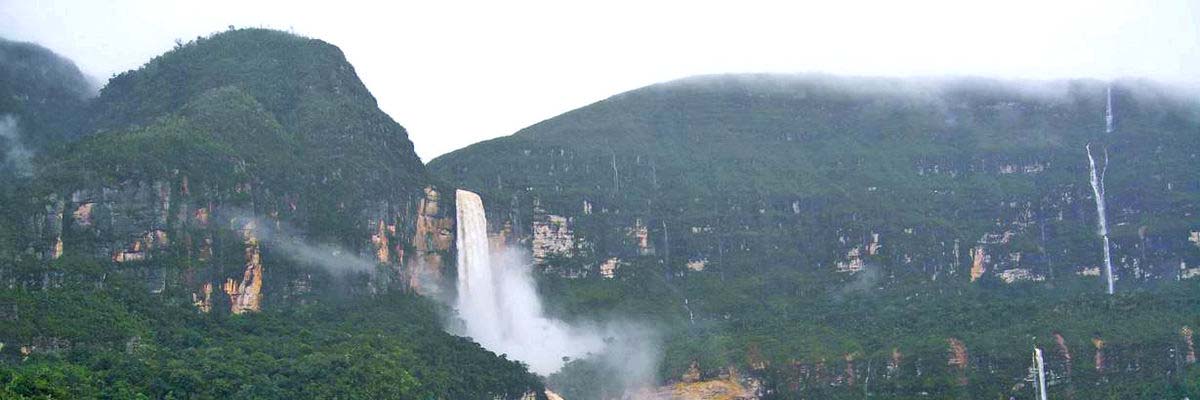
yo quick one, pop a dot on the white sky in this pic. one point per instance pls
(454, 73)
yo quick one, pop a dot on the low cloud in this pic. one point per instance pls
(17, 157)
(288, 242)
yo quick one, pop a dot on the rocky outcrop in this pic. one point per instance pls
(640, 234)
(978, 263)
(133, 222)
(1099, 359)
(246, 295)
(552, 236)
(608, 269)
(853, 263)
(125, 222)
(1064, 352)
(1014, 275)
(432, 240)
(203, 299)
(729, 385)
(959, 360)
(379, 242)
(1188, 344)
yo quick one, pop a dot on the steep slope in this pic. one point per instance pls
(238, 220)
(42, 96)
(42, 100)
(821, 165)
(244, 123)
(795, 221)
(347, 152)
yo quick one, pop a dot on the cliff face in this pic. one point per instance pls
(249, 172)
(857, 208)
(432, 242)
(177, 165)
(970, 179)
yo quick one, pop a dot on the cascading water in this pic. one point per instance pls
(1097, 181)
(476, 286)
(1040, 378)
(499, 304)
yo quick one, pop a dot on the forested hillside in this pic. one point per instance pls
(234, 219)
(41, 99)
(839, 237)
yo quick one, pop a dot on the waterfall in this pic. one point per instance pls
(1108, 112)
(1041, 373)
(499, 304)
(1097, 180)
(476, 287)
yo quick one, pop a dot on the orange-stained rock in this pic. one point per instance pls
(83, 215)
(1063, 350)
(977, 263)
(247, 295)
(434, 235)
(141, 247)
(379, 240)
(958, 358)
(1190, 355)
(203, 300)
(728, 387)
(640, 234)
(1099, 344)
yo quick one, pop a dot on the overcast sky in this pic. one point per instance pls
(455, 73)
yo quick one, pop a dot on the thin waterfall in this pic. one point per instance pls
(1041, 373)
(1108, 111)
(1097, 180)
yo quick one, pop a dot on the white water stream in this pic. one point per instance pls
(1097, 180)
(499, 304)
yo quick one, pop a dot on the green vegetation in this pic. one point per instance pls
(247, 121)
(101, 333)
(45, 94)
(772, 181)
(291, 108)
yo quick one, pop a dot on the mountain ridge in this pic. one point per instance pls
(784, 226)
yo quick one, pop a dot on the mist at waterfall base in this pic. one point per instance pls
(500, 308)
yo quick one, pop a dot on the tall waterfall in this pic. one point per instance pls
(499, 303)
(1108, 112)
(1097, 180)
(1040, 378)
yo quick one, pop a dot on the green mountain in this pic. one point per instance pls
(845, 237)
(42, 96)
(234, 219)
